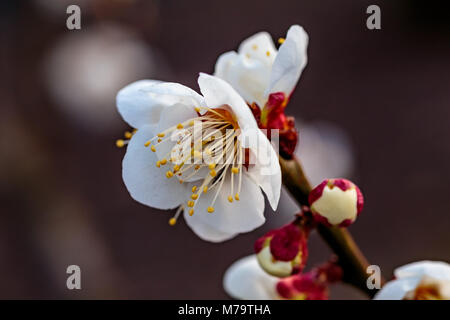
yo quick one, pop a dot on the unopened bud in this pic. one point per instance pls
(336, 202)
(282, 252)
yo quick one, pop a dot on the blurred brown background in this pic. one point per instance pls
(62, 199)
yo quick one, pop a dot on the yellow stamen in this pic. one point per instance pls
(128, 134)
(190, 203)
(236, 196)
(235, 170)
(194, 196)
(213, 173)
(172, 221)
(158, 164)
(147, 143)
(194, 188)
(197, 167)
(153, 148)
(120, 143)
(159, 140)
(191, 212)
(281, 40)
(176, 168)
(268, 53)
(191, 123)
(181, 181)
(205, 189)
(197, 109)
(212, 166)
(230, 198)
(179, 126)
(164, 161)
(210, 209)
(169, 174)
(161, 135)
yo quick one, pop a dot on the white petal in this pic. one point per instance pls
(245, 280)
(135, 105)
(265, 168)
(257, 46)
(205, 231)
(141, 102)
(290, 62)
(217, 93)
(230, 218)
(435, 269)
(249, 77)
(397, 289)
(146, 183)
(170, 117)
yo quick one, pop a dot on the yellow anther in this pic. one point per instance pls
(172, 221)
(236, 196)
(254, 47)
(194, 188)
(176, 168)
(128, 134)
(147, 143)
(197, 109)
(230, 198)
(235, 170)
(281, 40)
(164, 161)
(191, 123)
(213, 173)
(268, 53)
(191, 212)
(120, 143)
(159, 140)
(208, 151)
(210, 209)
(194, 196)
(197, 167)
(161, 135)
(153, 148)
(158, 164)
(169, 174)
(205, 189)
(179, 126)
(190, 203)
(212, 166)
(181, 181)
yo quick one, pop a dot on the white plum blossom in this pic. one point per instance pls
(422, 280)
(245, 280)
(258, 69)
(203, 154)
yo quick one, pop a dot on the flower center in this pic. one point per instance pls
(204, 149)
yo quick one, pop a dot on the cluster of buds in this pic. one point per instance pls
(312, 285)
(272, 117)
(336, 202)
(284, 251)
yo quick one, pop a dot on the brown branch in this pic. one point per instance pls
(351, 259)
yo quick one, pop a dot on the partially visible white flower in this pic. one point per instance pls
(245, 280)
(422, 280)
(259, 69)
(181, 126)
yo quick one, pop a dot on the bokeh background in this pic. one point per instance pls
(372, 106)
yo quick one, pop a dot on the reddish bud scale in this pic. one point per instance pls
(272, 116)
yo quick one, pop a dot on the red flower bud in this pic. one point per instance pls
(283, 252)
(336, 202)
